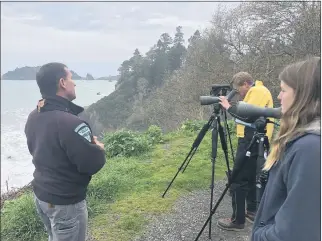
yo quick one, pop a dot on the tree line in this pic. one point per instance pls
(258, 37)
(163, 86)
(159, 63)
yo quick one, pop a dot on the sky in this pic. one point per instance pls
(92, 37)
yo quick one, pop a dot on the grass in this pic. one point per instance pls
(127, 191)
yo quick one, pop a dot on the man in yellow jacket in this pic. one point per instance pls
(244, 186)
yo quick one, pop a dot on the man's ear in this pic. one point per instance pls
(62, 83)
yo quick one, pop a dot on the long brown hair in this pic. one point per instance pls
(305, 79)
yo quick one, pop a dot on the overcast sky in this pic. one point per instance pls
(91, 37)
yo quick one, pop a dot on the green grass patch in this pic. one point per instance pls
(19, 220)
(127, 191)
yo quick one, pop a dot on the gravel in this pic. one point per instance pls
(187, 217)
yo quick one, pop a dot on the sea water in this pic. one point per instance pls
(18, 99)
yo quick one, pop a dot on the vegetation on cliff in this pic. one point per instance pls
(163, 87)
(28, 73)
(24, 73)
(109, 78)
(138, 77)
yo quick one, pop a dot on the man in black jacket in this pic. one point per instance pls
(65, 155)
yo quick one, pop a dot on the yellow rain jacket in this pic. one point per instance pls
(260, 96)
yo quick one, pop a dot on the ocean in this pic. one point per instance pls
(18, 99)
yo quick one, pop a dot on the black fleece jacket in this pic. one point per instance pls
(63, 151)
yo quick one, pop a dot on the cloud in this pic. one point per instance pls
(45, 44)
(171, 21)
(134, 9)
(91, 34)
(59, 43)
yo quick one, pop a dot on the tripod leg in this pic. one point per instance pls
(179, 169)
(260, 164)
(199, 138)
(231, 145)
(230, 180)
(194, 147)
(194, 151)
(212, 191)
(223, 144)
(213, 211)
(214, 140)
(266, 142)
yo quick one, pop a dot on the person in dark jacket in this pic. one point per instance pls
(65, 155)
(290, 208)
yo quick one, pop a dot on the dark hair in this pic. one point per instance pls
(48, 77)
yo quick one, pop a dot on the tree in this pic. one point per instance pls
(178, 50)
(165, 42)
(178, 37)
(194, 39)
(163, 87)
(124, 71)
(136, 63)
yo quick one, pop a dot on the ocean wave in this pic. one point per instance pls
(16, 161)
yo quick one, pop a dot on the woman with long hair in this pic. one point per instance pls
(291, 204)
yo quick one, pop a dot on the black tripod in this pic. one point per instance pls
(214, 121)
(261, 177)
(263, 144)
(226, 132)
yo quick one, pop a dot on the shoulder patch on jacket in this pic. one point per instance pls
(84, 131)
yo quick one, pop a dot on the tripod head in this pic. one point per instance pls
(217, 108)
(260, 125)
(217, 90)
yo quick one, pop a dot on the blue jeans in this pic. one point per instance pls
(64, 222)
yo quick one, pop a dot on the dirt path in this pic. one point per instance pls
(188, 216)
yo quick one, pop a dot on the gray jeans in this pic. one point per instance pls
(64, 222)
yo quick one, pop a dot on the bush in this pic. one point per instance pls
(125, 143)
(20, 221)
(154, 134)
(193, 125)
(196, 125)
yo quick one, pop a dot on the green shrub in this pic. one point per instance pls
(193, 125)
(106, 187)
(20, 221)
(196, 125)
(154, 134)
(125, 143)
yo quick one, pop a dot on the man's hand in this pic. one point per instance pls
(224, 102)
(97, 142)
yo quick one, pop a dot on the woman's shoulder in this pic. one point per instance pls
(307, 146)
(307, 140)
